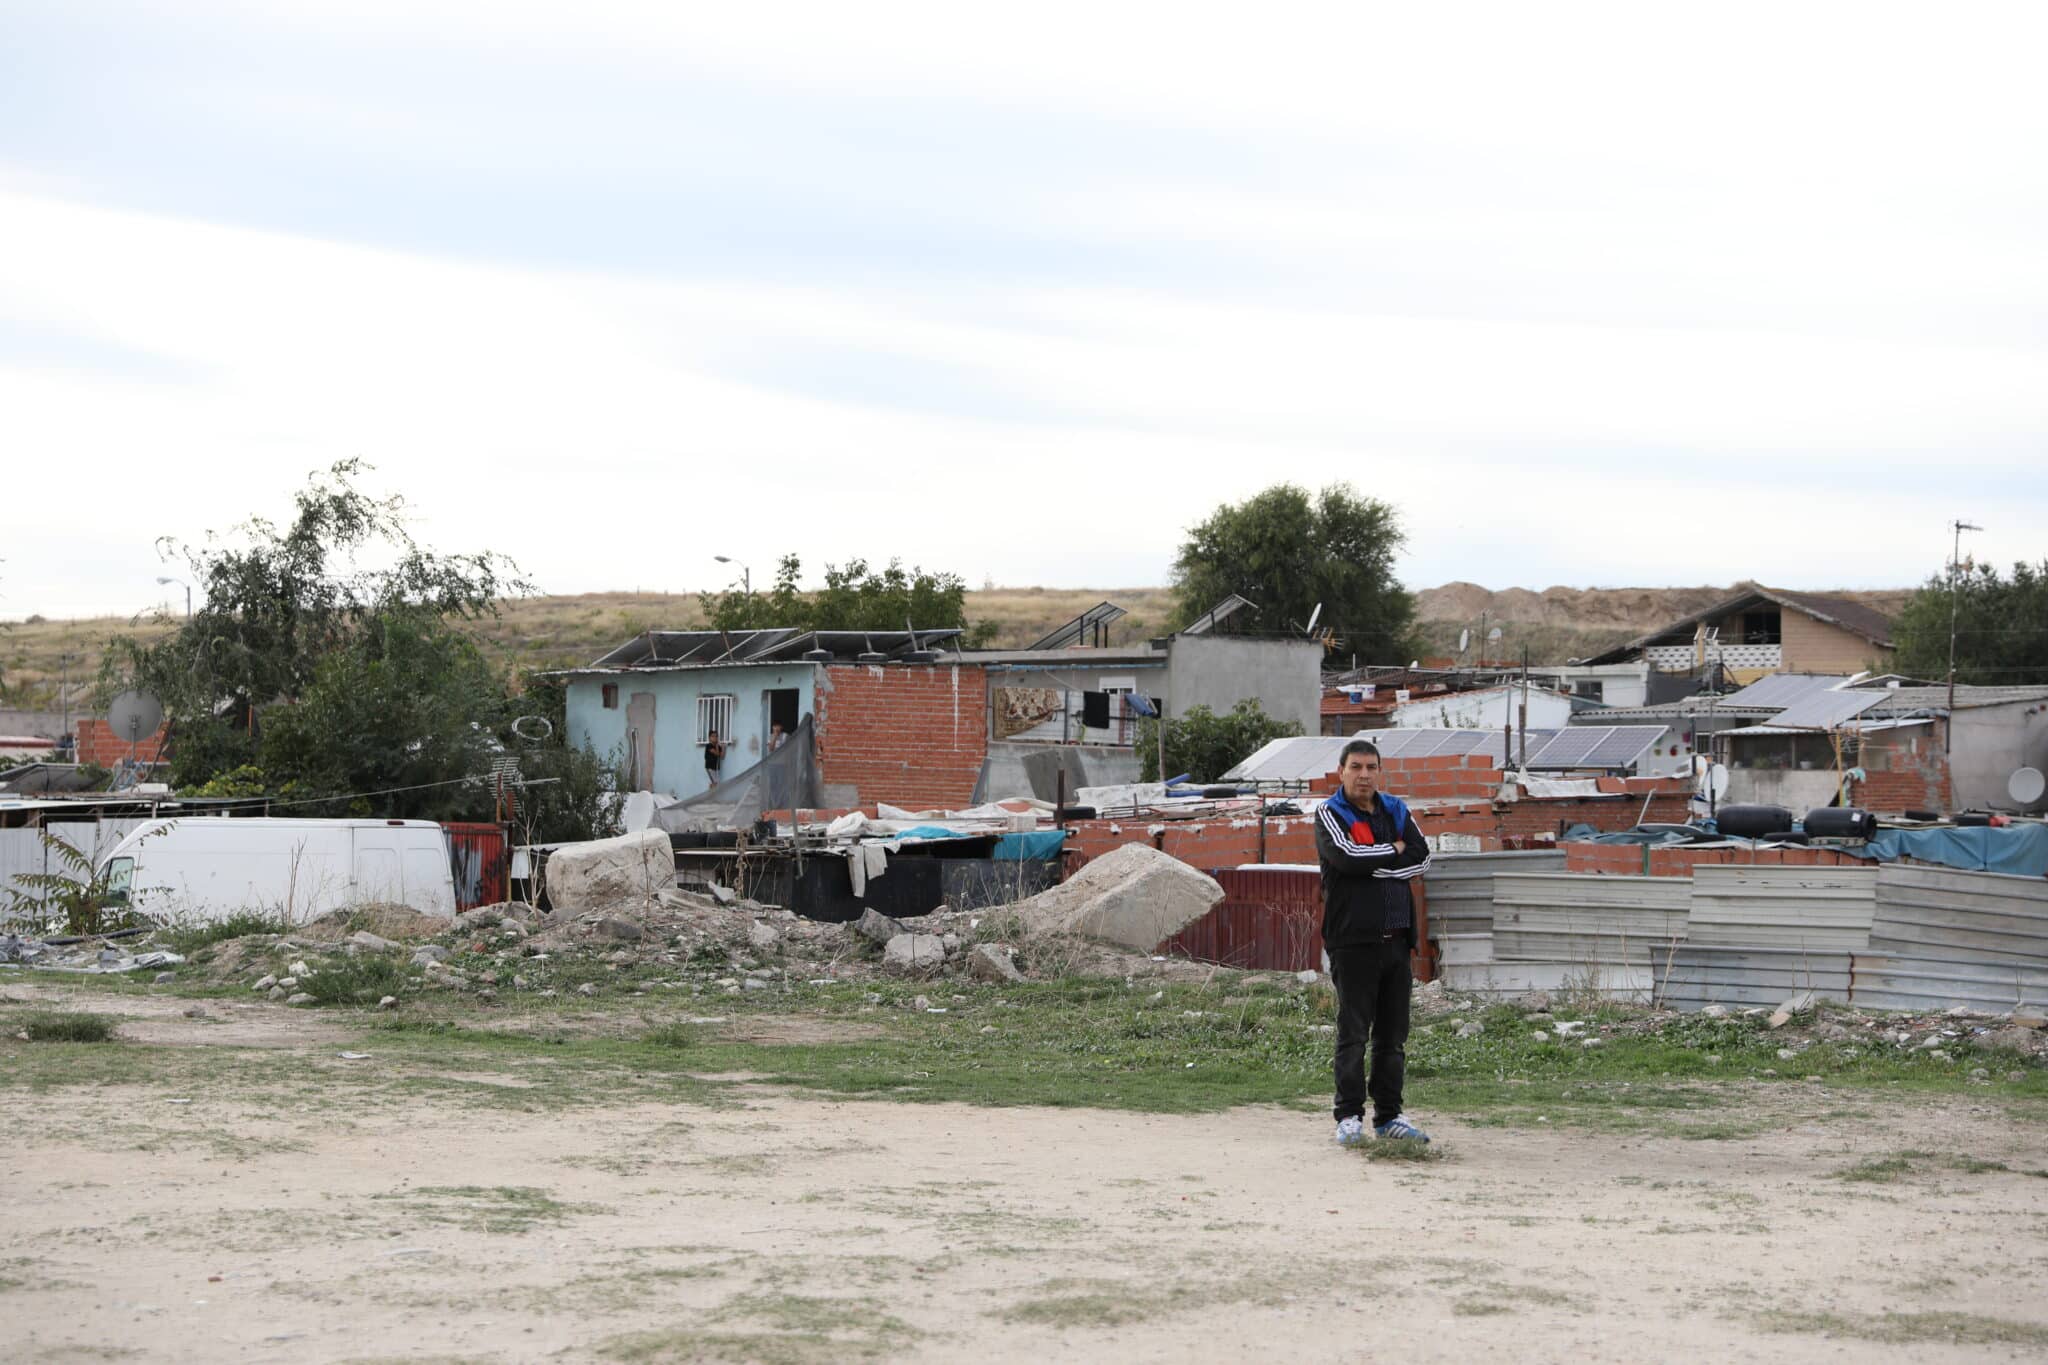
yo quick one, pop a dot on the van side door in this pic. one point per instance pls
(377, 878)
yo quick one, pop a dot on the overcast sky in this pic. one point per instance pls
(1640, 294)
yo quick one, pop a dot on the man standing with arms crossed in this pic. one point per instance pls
(1369, 847)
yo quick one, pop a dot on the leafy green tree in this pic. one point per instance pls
(855, 597)
(1205, 745)
(275, 604)
(1286, 551)
(2001, 627)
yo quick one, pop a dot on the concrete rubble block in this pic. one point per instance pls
(762, 936)
(429, 954)
(624, 930)
(989, 962)
(369, 942)
(611, 873)
(724, 895)
(1135, 897)
(913, 954)
(877, 927)
(300, 999)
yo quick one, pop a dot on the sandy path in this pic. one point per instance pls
(433, 1230)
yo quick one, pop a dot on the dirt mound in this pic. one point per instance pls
(385, 921)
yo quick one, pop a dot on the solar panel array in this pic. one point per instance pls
(1597, 746)
(1826, 710)
(1782, 689)
(1305, 758)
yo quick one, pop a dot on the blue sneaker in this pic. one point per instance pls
(1398, 1127)
(1350, 1132)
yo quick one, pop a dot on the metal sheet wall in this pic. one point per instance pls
(1694, 976)
(479, 856)
(1586, 918)
(1950, 916)
(1461, 887)
(1270, 919)
(1828, 909)
(22, 850)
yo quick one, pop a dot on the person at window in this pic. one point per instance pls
(714, 755)
(777, 736)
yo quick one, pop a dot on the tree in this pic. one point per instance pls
(1205, 745)
(2001, 627)
(1286, 552)
(276, 604)
(855, 597)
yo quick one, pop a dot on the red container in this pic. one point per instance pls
(480, 855)
(1271, 919)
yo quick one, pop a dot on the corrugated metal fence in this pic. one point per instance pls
(22, 851)
(1270, 919)
(480, 856)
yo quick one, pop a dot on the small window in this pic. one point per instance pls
(714, 714)
(611, 696)
(119, 876)
(1593, 689)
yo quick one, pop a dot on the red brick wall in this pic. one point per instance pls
(97, 743)
(1905, 771)
(913, 735)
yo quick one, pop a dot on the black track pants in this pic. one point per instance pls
(1373, 985)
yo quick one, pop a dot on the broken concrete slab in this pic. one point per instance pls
(991, 962)
(762, 937)
(1135, 897)
(877, 927)
(607, 874)
(364, 939)
(910, 954)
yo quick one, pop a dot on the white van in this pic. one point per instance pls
(196, 871)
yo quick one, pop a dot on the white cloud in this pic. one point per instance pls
(1582, 289)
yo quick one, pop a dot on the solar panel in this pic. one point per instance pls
(1569, 749)
(1782, 689)
(1596, 746)
(1826, 710)
(1087, 628)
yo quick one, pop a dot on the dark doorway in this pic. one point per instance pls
(782, 708)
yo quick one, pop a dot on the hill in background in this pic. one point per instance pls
(1555, 624)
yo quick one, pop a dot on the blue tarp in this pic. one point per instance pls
(1016, 848)
(2017, 850)
(930, 832)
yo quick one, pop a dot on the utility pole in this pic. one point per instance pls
(1948, 727)
(1524, 764)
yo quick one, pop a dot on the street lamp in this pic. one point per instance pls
(746, 578)
(165, 582)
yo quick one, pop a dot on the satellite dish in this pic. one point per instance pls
(1464, 640)
(1313, 617)
(2026, 786)
(1717, 780)
(534, 728)
(134, 716)
(1494, 634)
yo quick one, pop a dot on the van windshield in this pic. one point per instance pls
(120, 872)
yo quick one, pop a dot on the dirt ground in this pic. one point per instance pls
(201, 1224)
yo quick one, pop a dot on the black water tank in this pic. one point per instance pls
(818, 656)
(1752, 822)
(1077, 813)
(1837, 822)
(1219, 793)
(921, 656)
(1966, 819)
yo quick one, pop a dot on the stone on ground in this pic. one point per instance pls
(877, 927)
(611, 873)
(990, 963)
(914, 953)
(1135, 897)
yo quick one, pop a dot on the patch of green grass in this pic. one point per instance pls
(1879, 1170)
(360, 980)
(66, 1026)
(674, 1034)
(1405, 1151)
(1959, 1329)
(781, 1329)
(487, 1208)
(241, 924)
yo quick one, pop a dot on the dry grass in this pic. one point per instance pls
(558, 631)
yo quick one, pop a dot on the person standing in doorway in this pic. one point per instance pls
(1369, 847)
(714, 757)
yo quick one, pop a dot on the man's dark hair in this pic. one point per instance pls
(1358, 746)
